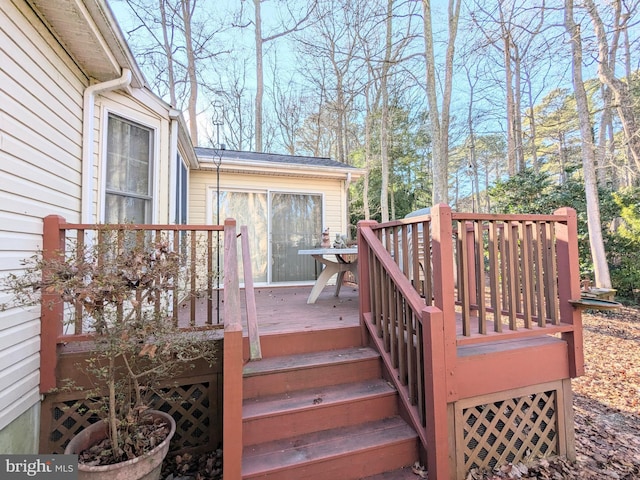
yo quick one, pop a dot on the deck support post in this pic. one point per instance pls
(435, 386)
(444, 289)
(569, 288)
(51, 308)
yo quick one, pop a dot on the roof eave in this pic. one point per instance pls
(276, 168)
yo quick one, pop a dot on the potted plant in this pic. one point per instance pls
(120, 284)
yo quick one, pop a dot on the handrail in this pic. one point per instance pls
(255, 351)
(410, 337)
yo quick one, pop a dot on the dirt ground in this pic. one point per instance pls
(606, 404)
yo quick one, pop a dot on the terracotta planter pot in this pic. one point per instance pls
(146, 467)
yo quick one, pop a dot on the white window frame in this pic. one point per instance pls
(143, 122)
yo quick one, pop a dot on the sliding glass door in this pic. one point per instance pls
(279, 224)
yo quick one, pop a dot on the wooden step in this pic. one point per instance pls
(317, 340)
(271, 376)
(279, 416)
(347, 453)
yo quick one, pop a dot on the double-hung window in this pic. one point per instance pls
(129, 172)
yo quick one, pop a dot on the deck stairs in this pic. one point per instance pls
(317, 407)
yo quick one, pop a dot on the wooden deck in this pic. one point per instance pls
(285, 309)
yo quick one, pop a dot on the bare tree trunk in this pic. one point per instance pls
(517, 109)
(187, 15)
(621, 95)
(562, 155)
(532, 128)
(601, 268)
(259, 75)
(606, 120)
(440, 125)
(168, 51)
(384, 117)
(511, 141)
(340, 127)
(367, 152)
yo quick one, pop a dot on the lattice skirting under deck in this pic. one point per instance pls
(194, 407)
(513, 426)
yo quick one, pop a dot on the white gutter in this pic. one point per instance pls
(88, 138)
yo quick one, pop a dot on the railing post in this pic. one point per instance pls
(232, 359)
(443, 288)
(364, 274)
(569, 288)
(51, 308)
(435, 391)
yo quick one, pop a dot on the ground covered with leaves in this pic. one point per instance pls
(606, 405)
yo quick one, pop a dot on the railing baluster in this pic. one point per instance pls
(425, 248)
(512, 273)
(504, 255)
(526, 259)
(158, 299)
(480, 273)
(463, 278)
(176, 287)
(494, 272)
(386, 307)
(79, 311)
(194, 277)
(554, 313)
(393, 323)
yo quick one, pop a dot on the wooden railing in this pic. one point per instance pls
(189, 299)
(505, 269)
(434, 284)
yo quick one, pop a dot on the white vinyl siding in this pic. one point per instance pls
(333, 190)
(40, 170)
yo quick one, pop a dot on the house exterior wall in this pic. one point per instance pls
(40, 174)
(41, 152)
(335, 208)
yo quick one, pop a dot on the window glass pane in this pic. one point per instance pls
(296, 224)
(122, 209)
(128, 171)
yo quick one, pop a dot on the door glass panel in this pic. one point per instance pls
(296, 224)
(250, 209)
